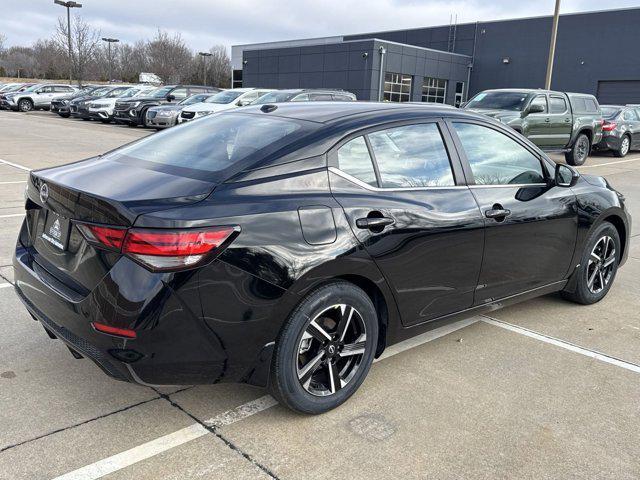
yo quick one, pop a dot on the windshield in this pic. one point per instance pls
(499, 101)
(32, 88)
(209, 145)
(161, 92)
(610, 112)
(100, 91)
(116, 92)
(275, 97)
(200, 97)
(131, 92)
(227, 96)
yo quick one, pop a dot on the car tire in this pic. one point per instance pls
(315, 367)
(131, 124)
(579, 152)
(144, 118)
(105, 120)
(594, 276)
(64, 115)
(625, 146)
(25, 105)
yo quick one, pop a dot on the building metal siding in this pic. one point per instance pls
(592, 48)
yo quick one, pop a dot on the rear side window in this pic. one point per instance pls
(354, 159)
(579, 104)
(211, 144)
(629, 116)
(412, 156)
(557, 104)
(320, 97)
(496, 159)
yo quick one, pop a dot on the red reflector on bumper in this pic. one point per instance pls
(121, 332)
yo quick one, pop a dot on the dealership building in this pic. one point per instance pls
(596, 53)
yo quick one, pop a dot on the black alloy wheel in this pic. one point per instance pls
(325, 349)
(598, 266)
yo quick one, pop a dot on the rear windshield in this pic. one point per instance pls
(274, 97)
(205, 148)
(498, 101)
(610, 112)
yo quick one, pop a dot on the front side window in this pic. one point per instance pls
(354, 159)
(542, 101)
(434, 90)
(412, 156)
(496, 159)
(397, 87)
(557, 104)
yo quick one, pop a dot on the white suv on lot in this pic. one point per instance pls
(102, 108)
(38, 96)
(225, 100)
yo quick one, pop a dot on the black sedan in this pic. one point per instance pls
(288, 245)
(621, 129)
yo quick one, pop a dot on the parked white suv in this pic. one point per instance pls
(225, 100)
(102, 108)
(38, 96)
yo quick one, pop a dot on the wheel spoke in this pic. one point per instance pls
(592, 278)
(345, 319)
(317, 332)
(350, 349)
(601, 278)
(594, 257)
(310, 368)
(609, 260)
(334, 378)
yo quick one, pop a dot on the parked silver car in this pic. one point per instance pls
(165, 116)
(38, 96)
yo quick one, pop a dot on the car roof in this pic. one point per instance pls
(332, 112)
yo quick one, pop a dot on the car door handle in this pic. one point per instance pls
(547, 120)
(567, 120)
(374, 222)
(497, 213)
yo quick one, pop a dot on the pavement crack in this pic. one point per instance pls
(218, 434)
(124, 409)
(6, 279)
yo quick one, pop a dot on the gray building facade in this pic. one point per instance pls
(596, 53)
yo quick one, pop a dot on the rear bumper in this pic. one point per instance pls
(608, 142)
(176, 344)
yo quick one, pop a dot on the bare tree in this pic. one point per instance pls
(84, 41)
(49, 58)
(219, 66)
(168, 56)
(3, 40)
(19, 62)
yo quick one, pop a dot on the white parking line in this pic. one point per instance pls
(162, 444)
(11, 164)
(611, 163)
(11, 215)
(6, 285)
(11, 183)
(563, 344)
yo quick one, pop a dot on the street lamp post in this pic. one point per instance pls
(552, 46)
(69, 6)
(109, 42)
(204, 56)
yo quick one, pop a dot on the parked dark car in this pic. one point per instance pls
(305, 95)
(555, 121)
(79, 108)
(165, 116)
(61, 105)
(132, 112)
(288, 245)
(621, 129)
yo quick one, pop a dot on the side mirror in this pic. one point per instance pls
(537, 108)
(243, 103)
(463, 105)
(171, 98)
(566, 176)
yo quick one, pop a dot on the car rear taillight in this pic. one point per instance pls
(609, 126)
(161, 250)
(174, 249)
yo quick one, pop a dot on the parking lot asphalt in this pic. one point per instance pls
(544, 389)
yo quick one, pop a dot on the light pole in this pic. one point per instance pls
(204, 56)
(68, 6)
(552, 46)
(109, 42)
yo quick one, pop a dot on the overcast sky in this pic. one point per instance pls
(204, 23)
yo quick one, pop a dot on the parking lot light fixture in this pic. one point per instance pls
(69, 6)
(109, 42)
(204, 56)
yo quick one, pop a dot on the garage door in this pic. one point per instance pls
(619, 92)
